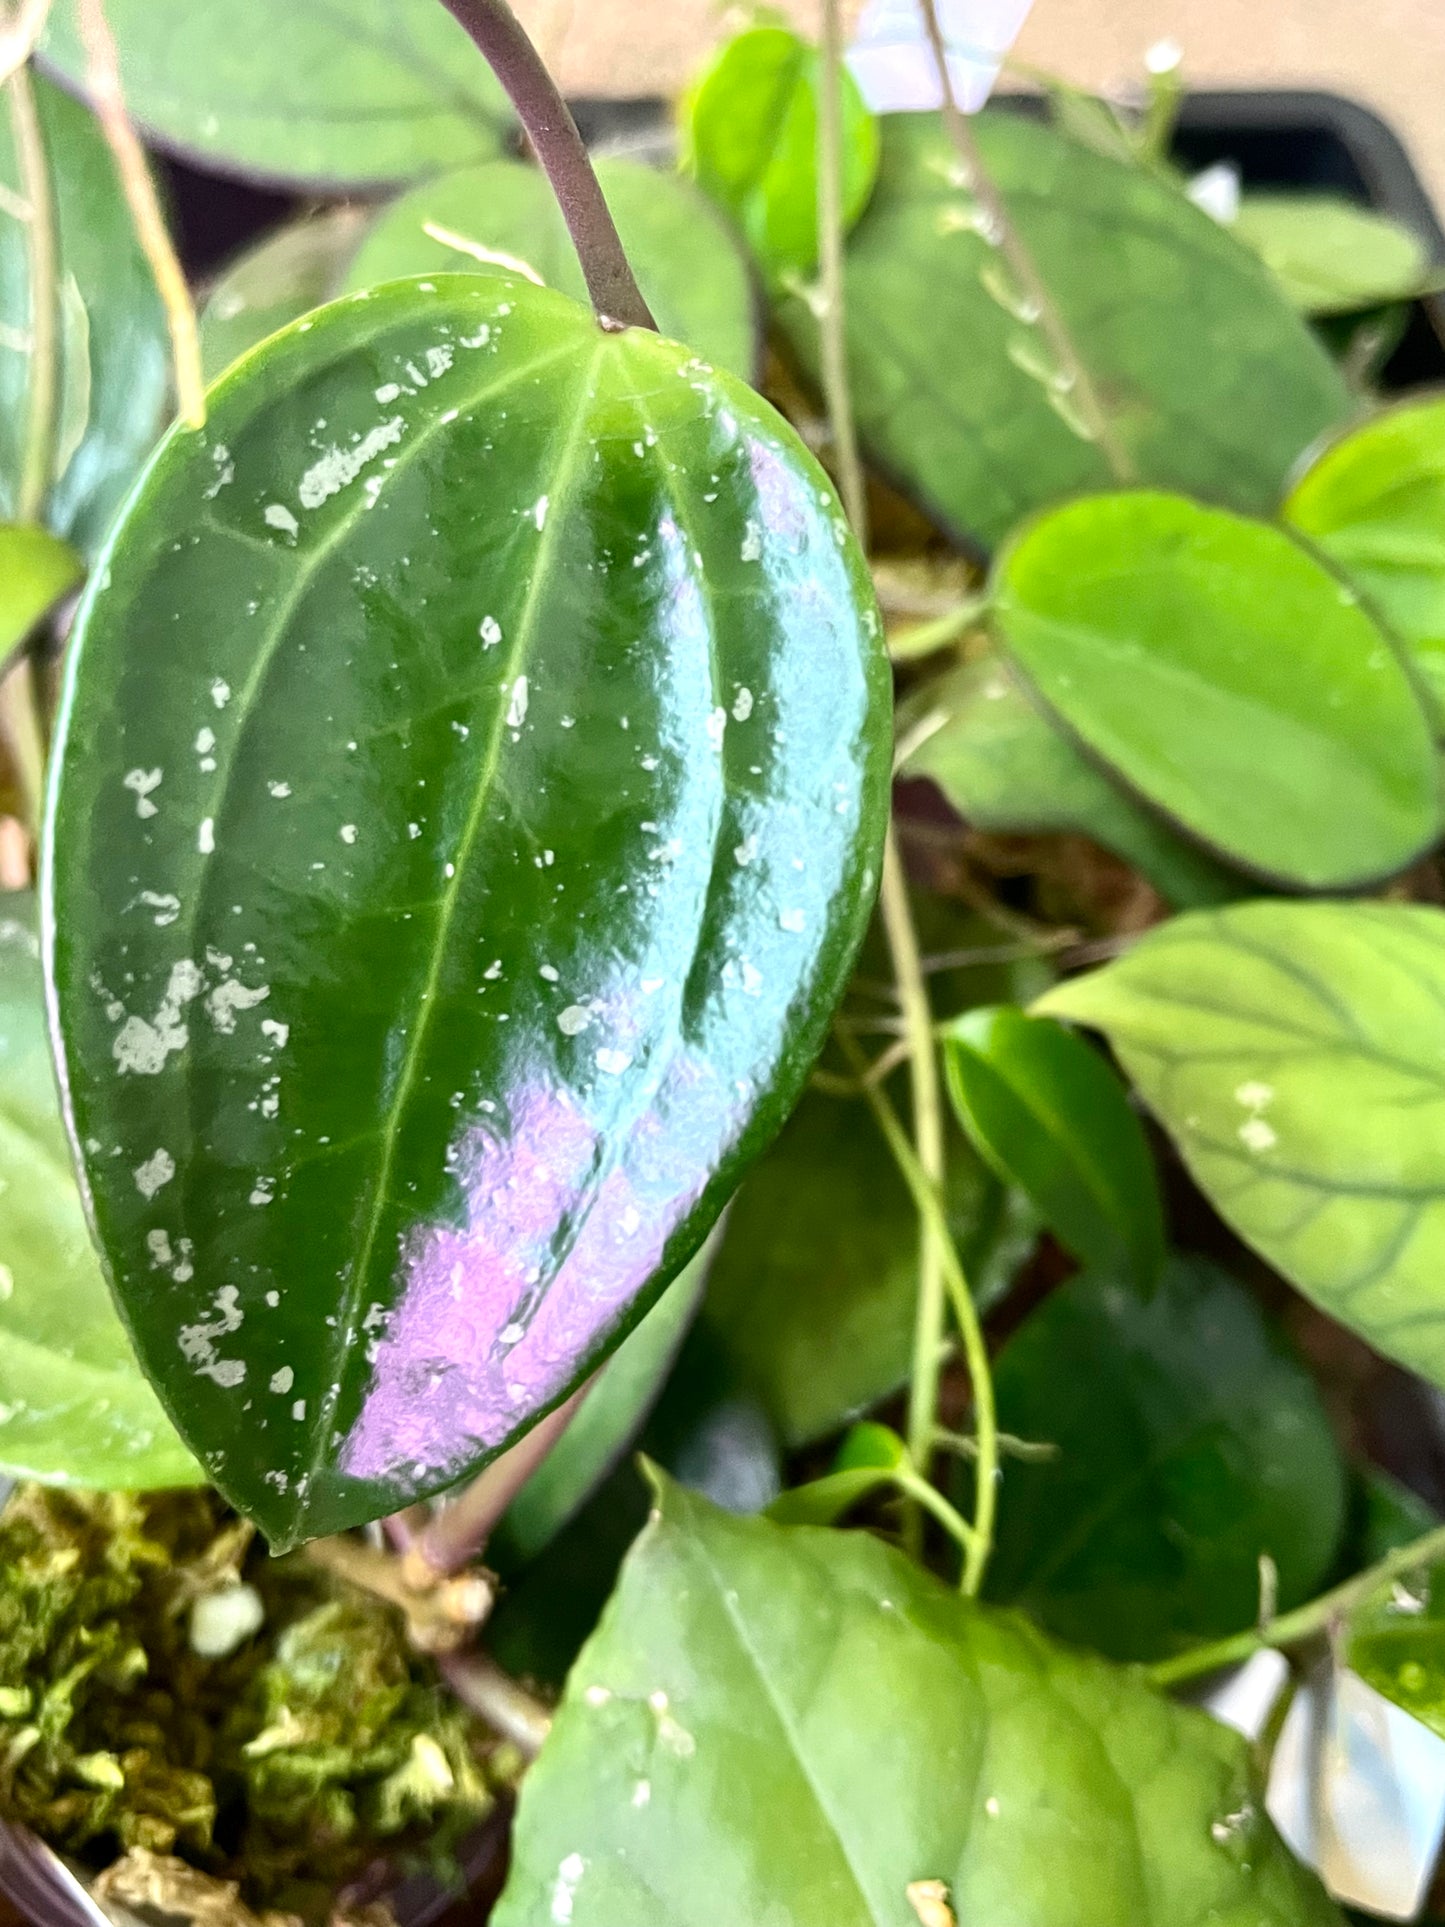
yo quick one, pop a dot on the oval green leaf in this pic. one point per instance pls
(1005, 766)
(115, 358)
(687, 263)
(1331, 256)
(1374, 501)
(1294, 1051)
(1229, 678)
(278, 281)
(717, 1758)
(300, 91)
(428, 941)
(1049, 1115)
(1211, 382)
(1190, 1443)
(35, 572)
(1395, 1641)
(750, 137)
(74, 1408)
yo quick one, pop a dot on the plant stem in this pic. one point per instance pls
(553, 133)
(43, 390)
(1306, 1622)
(929, 1201)
(509, 1709)
(833, 317)
(1078, 383)
(18, 37)
(102, 80)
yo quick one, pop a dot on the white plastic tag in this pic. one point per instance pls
(893, 64)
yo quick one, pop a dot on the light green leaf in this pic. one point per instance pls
(428, 947)
(1396, 1643)
(1331, 255)
(1004, 766)
(1211, 381)
(1049, 1115)
(1294, 1052)
(788, 1724)
(1231, 679)
(687, 263)
(277, 281)
(870, 1459)
(750, 136)
(1191, 1442)
(300, 90)
(115, 364)
(74, 1408)
(1374, 501)
(35, 572)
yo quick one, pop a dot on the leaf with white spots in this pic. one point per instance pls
(74, 1408)
(461, 1019)
(785, 1724)
(1294, 1051)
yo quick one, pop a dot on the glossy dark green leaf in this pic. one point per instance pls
(472, 772)
(1330, 255)
(1004, 765)
(814, 1291)
(1049, 1115)
(1396, 1643)
(750, 136)
(74, 1408)
(36, 570)
(687, 263)
(1191, 1443)
(1374, 501)
(115, 358)
(1294, 1051)
(1211, 381)
(785, 1724)
(300, 90)
(1229, 678)
(277, 281)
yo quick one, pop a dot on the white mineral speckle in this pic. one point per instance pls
(205, 741)
(348, 832)
(743, 706)
(278, 516)
(613, 1062)
(564, 1892)
(278, 1033)
(167, 908)
(143, 781)
(490, 632)
(1255, 1097)
(642, 1793)
(574, 1020)
(230, 997)
(549, 974)
(159, 1246)
(517, 708)
(141, 1047)
(338, 468)
(388, 392)
(220, 692)
(279, 790)
(1258, 1136)
(539, 512)
(156, 1172)
(752, 542)
(206, 836)
(298, 1410)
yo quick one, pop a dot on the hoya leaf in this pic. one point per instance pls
(300, 91)
(750, 137)
(870, 1459)
(1004, 765)
(427, 941)
(115, 360)
(280, 279)
(957, 390)
(1396, 1643)
(36, 570)
(813, 1296)
(688, 265)
(1231, 679)
(1293, 1051)
(1048, 1114)
(1190, 1443)
(1374, 501)
(1331, 256)
(74, 1408)
(793, 1724)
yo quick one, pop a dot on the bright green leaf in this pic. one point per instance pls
(1048, 1114)
(1004, 766)
(814, 1292)
(1229, 678)
(300, 90)
(1294, 1052)
(1374, 501)
(429, 948)
(784, 1724)
(1396, 1643)
(115, 369)
(1332, 256)
(870, 1459)
(750, 136)
(277, 281)
(35, 572)
(74, 1408)
(687, 263)
(1191, 1443)
(1211, 381)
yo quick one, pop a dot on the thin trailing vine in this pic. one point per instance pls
(43, 389)
(832, 319)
